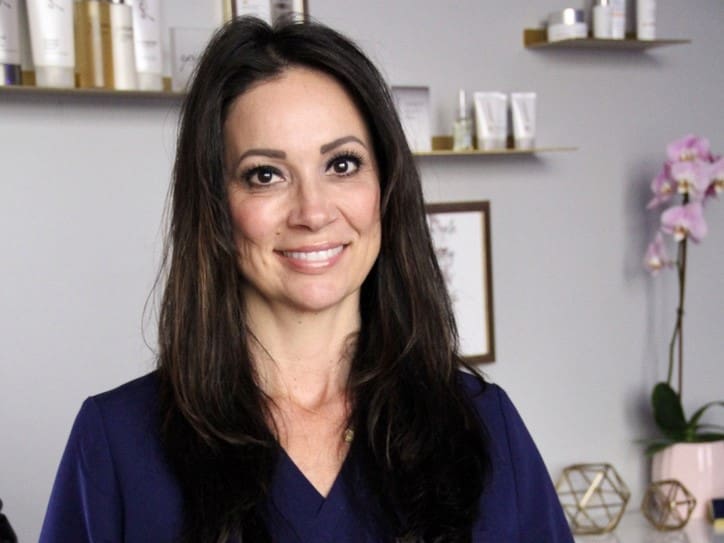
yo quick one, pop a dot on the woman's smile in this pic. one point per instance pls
(313, 259)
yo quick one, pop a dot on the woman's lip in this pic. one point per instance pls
(313, 247)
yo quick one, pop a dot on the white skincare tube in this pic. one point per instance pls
(646, 19)
(522, 105)
(491, 118)
(147, 43)
(51, 36)
(9, 43)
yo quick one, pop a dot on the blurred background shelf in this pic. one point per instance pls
(535, 38)
(23, 90)
(442, 147)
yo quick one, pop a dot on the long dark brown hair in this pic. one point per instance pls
(418, 441)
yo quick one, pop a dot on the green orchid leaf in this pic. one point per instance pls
(697, 415)
(668, 413)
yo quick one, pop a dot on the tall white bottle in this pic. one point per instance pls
(618, 19)
(646, 19)
(9, 43)
(602, 19)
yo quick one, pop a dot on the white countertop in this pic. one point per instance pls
(634, 528)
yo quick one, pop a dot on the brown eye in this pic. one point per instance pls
(344, 165)
(265, 176)
(262, 175)
(341, 166)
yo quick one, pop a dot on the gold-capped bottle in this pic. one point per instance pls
(119, 57)
(88, 45)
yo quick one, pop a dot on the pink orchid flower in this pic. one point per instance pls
(689, 147)
(656, 257)
(663, 187)
(692, 177)
(716, 172)
(685, 222)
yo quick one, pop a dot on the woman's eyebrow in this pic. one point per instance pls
(271, 153)
(340, 141)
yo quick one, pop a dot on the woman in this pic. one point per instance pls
(308, 387)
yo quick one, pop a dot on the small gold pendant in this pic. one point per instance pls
(348, 435)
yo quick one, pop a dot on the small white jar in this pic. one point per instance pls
(567, 24)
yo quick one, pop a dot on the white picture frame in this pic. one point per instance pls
(413, 108)
(187, 46)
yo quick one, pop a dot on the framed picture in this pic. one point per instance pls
(187, 46)
(461, 237)
(267, 10)
(413, 108)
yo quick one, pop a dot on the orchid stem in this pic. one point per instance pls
(680, 314)
(678, 335)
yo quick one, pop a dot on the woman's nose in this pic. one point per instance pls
(313, 206)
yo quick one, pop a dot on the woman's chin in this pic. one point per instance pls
(318, 300)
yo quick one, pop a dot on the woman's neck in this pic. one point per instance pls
(303, 358)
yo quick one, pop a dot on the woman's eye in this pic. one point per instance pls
(344, 165)
(262, 175)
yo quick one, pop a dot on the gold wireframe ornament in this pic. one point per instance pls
(593, 497)
(668, 504)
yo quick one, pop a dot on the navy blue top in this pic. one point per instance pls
(114, 485)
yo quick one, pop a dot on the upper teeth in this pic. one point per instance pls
(314, 255)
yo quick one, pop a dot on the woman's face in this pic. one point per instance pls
(303, 192)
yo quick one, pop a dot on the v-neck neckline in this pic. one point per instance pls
(306, 510)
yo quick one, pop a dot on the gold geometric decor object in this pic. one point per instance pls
(593, 497)
(668, 504)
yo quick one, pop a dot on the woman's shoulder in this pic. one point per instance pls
(129, 412)
(113, 478)
(488, 398)
(137, 393)
(125, 424)
(493, 406)
(520, 502)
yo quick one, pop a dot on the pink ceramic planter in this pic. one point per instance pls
(699, 466)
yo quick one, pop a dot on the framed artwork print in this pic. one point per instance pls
(461, 237)
(267, 10)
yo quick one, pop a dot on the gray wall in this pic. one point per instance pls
(581, 328)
